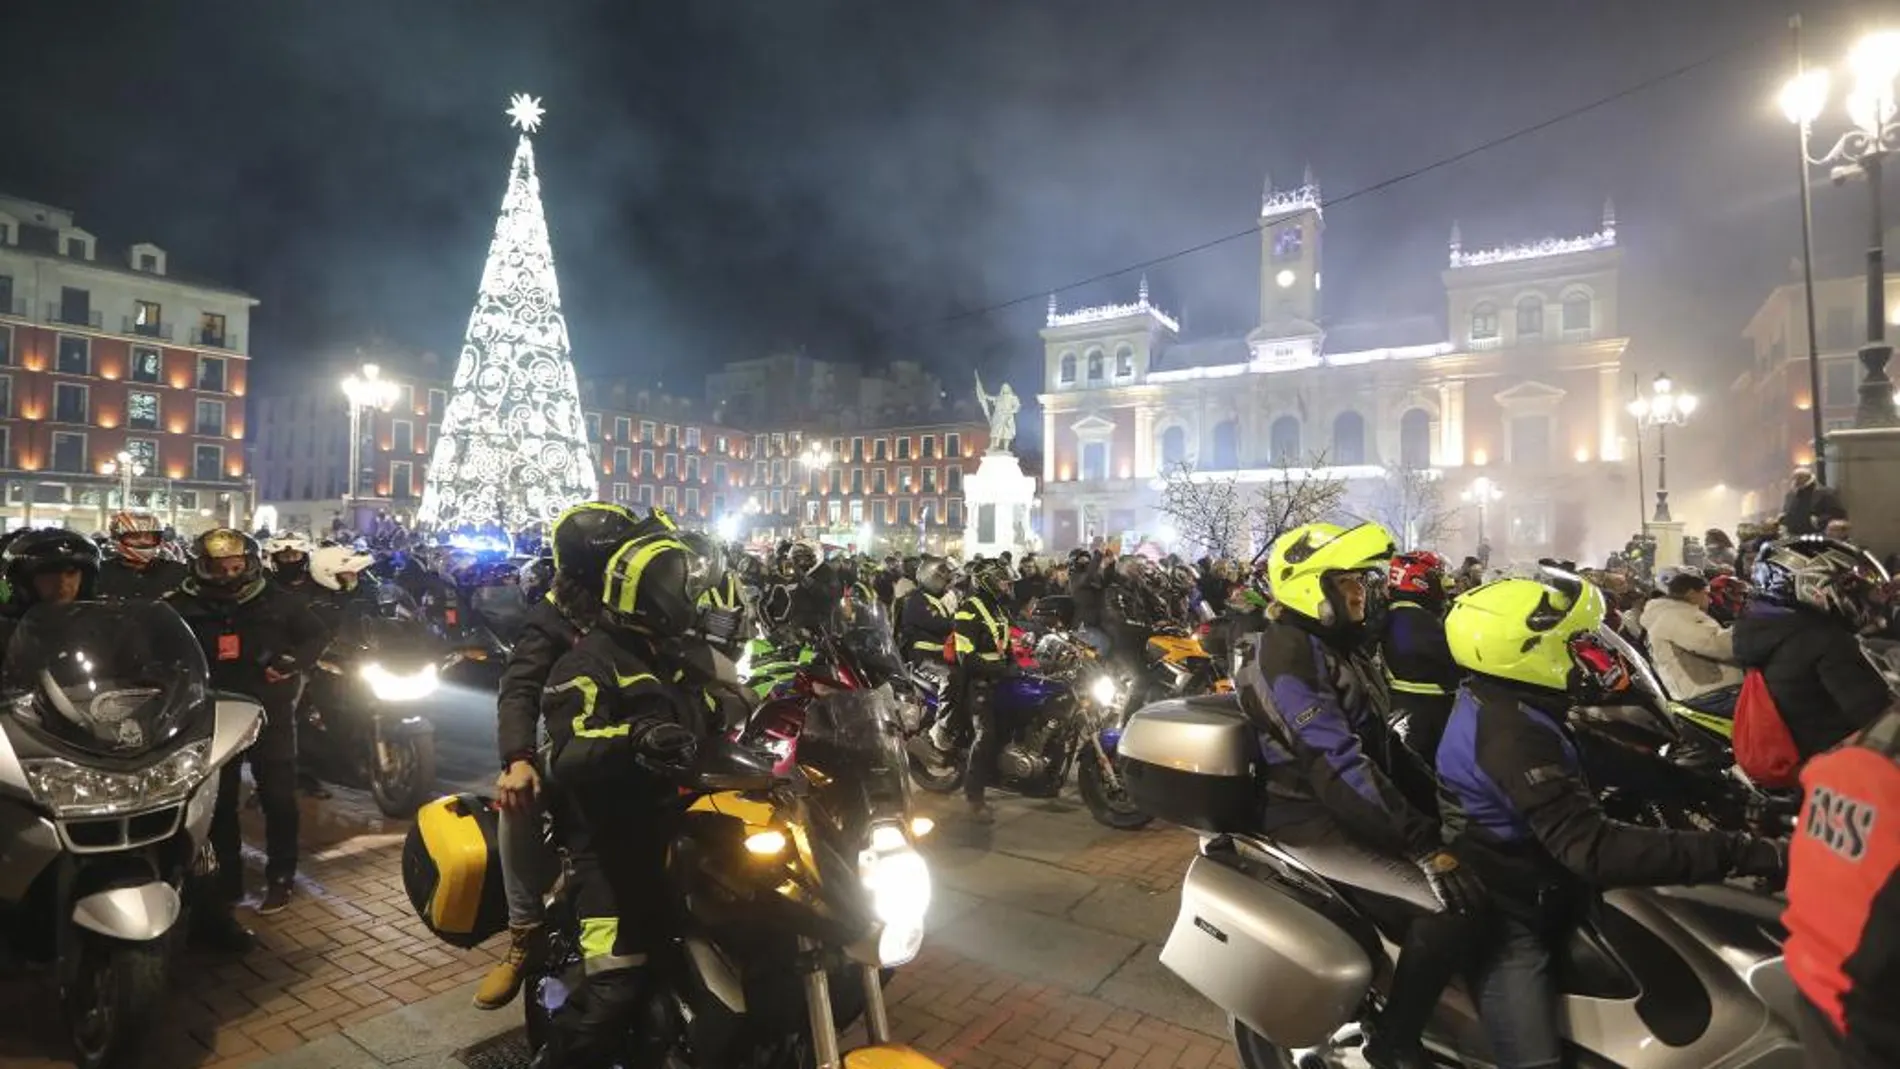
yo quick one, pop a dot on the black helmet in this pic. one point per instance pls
(222, 543)
(586, 536)
(51, 549)
(992, 577)
(653, 586)
(1825, 575)
(537, 577)
(710, 569)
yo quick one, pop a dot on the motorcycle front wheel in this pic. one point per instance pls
(937, 771)
(115, 1001)
(407, 779)
(1108, 804)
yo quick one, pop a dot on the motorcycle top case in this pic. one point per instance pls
(451, 870)
(1189, 761)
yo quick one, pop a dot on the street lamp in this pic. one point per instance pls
(1482, 492)
(129, 467)
(365, 390)
(816, 457)
(1662, 409)
(1861, 151)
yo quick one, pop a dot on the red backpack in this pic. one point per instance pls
(1763, 747)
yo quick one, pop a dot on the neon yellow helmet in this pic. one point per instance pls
(1303, 560)
(1539, 632)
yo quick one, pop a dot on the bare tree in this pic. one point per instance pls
(1410, 502)
(1292, 496)
(1206, 511)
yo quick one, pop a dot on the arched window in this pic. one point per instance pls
(1173, 445)
(1284, 441)
(1415, 439)
(1066, 376)
(1095, 366)
(1484, 321)
(1226, 446)
(1530, 317)
(1349, 438)
(1124, 362)
(1577, 311)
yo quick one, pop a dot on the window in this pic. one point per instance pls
(399, 479)
(6, 396)
(1283, 441)
(1066, 376)
(1124, 362)
(75, 356)
(210, 421)
(593, 426)
(927, 447)
(778, 444)
(1349, 438)
(1094, 460)
(645, 496)
(623, 428)
(144, 454)
(837, 480)
(1530, 440)
(6, 285)
(880, 451)
(834, 511)
(402, 433)
(1226, 446)
(778, 471)
(69, 451)
(761, 470)
(211, 373)
(930, 480)
(1577, 312)
(953, 480)
(1174, 445)
(719, 473)
(877, 481)
(141, 410)
(857, 512)
(1840, 385)
(903, 512)
(1287, 242)
(720, 446)
(903, 448)
(146, 364)
(692, 437)
(1484, 321)
(623, 459)
(952, 445)
(1840, 329)
(903, 481)
(857, 450)
(953, 513)
(1530, 317)
(207, 462)
(857, 480)
(211, 330)
(146, 317)
(622, 493)
(6, 346)
(669, 498)
(670, 466)
(1415, 439)
(75, 306)
(1095, 366)
(188, 499)
(1530, 523)
(692, 501)
(438, 400)
(646, 430)
(435, 430)
(72, 403)
(646, 463)
(672, 435)
(692, 468)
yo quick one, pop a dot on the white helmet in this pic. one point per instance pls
(336, 567)
(287, 542)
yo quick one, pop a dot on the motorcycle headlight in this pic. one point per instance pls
(72, 790)
(898, 881)
(1103, 691)
(390, 686)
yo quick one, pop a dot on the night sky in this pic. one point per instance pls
(726, 177)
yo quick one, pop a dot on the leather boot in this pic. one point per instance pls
(527, 951)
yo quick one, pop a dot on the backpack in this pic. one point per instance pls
(1763, 747)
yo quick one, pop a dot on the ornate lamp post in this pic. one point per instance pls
(129, 468)
(1861, 151)
(1482, 492)
(367, 389)
(1662, 409)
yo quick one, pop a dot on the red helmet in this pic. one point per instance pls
(1728, 592)
(1420, 573)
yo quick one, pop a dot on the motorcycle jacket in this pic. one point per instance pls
(1418, 663)
(982, 636)
(1086, 589)
(119, 581)
(546, 635)
(926, 625)
(602, 699)
(1820, 678)
(1517, 808)
(1843, 916)
(243, 636)
(1321, 713)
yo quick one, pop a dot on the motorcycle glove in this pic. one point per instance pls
(1764, 858)
(668, 744)
(1456, 887)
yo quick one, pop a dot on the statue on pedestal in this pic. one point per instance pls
(1001, 408)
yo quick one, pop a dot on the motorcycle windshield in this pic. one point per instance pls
(113, 679)
(852, 736)
(865, 629)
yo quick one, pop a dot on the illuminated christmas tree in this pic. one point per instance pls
(513, 445)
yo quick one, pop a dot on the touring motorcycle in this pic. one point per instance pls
(111, 744)
(363, 719)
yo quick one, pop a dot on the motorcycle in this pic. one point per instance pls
(1281, 939)
(110, 753)
(363, 718)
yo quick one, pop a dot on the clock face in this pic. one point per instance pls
(1288, 242)
(1285, 279)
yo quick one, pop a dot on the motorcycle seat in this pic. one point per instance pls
(1389, 889)
(1224, 702)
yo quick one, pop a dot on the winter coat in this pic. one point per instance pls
(1692, 653)
(546, 636)
(1819, 676)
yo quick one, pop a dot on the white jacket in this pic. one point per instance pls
(1693, 654)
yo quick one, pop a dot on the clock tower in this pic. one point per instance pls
(1290, 227)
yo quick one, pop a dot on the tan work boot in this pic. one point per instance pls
(527, 945)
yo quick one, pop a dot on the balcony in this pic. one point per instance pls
(74, 317)
(15, 308)
(214, 339)
(161, 331)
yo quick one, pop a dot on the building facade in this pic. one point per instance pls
(121, 383)
(1523, 388)
(897, 489)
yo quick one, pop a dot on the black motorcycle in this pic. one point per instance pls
(364, 722)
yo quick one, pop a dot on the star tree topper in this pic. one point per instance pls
(525, 112)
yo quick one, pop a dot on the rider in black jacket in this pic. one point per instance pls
(138, 573)
(1519, 811)
(1418, 665)
(47, 566)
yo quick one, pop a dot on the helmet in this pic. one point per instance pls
(1080, 558)
(1304, 561)
(651, 586)
(1728, 593)
(803, 556)
(138, 535)
(709, 571)
(934, 576)
(992, 577)
(336, 567)
(50, 549)
(537, 577)
(1540, 633)
(586, 536)
(221, 544)
(1825, 575)
(1419, 574)
(287, 555)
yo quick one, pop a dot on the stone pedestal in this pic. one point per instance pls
(1865, 471)
(1668, 536)
(997, 501)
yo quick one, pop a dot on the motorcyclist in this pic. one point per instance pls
(139, 572)
(1086, 589)
(1418, 666)
(585, 539)
(809, 590)
(885, 582)
(623, 700)
(983, 657)
(722, 606)
(1338, 777)
(1814, 598)
(1129, 611)
(287, 557)
(50, 566)
(1694, 655)
(927, 622)
(258, 641)
(1520, 812)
